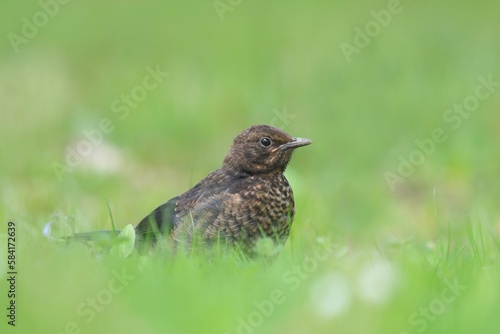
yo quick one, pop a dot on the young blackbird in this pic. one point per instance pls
(246, 199)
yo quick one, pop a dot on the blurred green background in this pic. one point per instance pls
(64, 68)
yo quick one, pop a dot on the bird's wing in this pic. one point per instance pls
(202, 203)
(208, 216)
(161, 220)
(213, 187)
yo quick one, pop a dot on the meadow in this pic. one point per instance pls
(117, 107)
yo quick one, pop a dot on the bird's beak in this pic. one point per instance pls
(296, 142)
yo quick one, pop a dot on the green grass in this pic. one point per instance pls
(395, 252)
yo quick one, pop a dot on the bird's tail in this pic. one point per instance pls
(94, 236)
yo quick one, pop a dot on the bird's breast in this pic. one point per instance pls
(243, 212)
(263, 208)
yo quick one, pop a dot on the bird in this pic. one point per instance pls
(246, 200)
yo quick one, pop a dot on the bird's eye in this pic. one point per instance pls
(265, 141)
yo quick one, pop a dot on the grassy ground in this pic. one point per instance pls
(397, 226)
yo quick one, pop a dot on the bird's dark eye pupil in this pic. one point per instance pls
(265, 141)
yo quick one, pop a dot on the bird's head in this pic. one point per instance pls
(262, 149)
